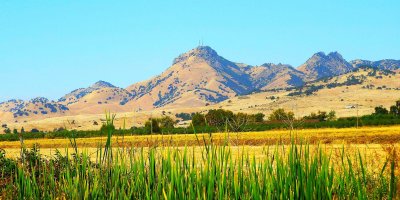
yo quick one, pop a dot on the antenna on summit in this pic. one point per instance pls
(201, 42)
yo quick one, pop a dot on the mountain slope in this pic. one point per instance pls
(200, 72)
(271, 76)
(321, 65)
(386, 64)
(366, 87)
(97, 98)
(34, 108)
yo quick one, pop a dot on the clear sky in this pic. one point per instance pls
(48, 48)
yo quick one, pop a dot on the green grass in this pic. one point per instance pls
(213, 172)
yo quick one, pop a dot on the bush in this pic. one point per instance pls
(34, 130)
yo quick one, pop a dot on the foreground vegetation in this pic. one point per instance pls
(282, 172)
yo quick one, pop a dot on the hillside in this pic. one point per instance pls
(35, 108)
(366, 87)
(387, 64)
(95, 99)
(270, 76)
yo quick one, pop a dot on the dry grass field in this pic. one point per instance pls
(367, 139)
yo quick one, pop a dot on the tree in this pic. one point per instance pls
(22, 130)
(198, 119)
(280, 114)
(218, 117)
(7, 131)
(184, 116)
(34, 130)
(259, 117)
(166, 122)
(238, 122)
(395, 109)
(15, 131)
(152, 126)
(380, 110)
(331, 115)
(322, 116)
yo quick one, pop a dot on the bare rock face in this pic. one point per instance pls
(321, 65)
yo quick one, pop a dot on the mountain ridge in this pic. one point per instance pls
(197, 77)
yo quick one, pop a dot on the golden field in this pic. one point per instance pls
(374, 142)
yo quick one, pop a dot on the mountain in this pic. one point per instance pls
(33, 108)
(77, 94)
(197, 77)
(96, 98)
(272, 76)
(321, 65)
(365, 86)
(386, 64)
(200, 77)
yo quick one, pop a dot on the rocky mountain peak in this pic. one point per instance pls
(321, 65)
(102, 84)
(335, 55)
(204, 52)
(320, 54)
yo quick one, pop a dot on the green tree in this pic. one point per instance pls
(259, 117)
(15, 131)
(152, 126)
(322, 116)
(7, 131)
(198, 119)
(166, 122)
(395, 109)
(218, 117)
(380, 110)
(280, 114)
(331, 115)
(22, 130)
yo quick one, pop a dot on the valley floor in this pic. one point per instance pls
(364, 137)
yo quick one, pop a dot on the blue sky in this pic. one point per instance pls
(48, 48)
